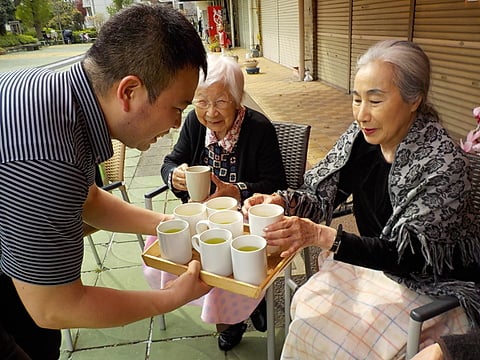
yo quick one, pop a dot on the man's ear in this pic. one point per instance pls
(128, 88)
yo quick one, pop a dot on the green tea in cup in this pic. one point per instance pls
(172, 231)
(248, 248)
(214, 241)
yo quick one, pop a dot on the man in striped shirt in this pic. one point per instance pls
(132, 85)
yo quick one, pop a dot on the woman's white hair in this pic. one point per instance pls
(225, 70)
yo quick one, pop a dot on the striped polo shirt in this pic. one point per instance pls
(52, 133)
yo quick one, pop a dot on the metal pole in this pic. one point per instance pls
(250, 24)
(232, 22)
(301, 40)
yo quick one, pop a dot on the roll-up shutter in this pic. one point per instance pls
(269, 23)
(288, 32)
(332, 39)
(243, 25)
(375, 20)
(449, 32)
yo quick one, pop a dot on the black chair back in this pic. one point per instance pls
(293, 140)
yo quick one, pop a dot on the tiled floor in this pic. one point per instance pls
(281, 97)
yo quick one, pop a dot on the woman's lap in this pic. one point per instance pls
(348, 312)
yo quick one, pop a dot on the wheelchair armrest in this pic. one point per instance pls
(436, 307)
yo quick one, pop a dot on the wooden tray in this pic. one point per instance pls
(276, 264)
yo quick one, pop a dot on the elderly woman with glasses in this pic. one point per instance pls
(238, 143)
(241, 146)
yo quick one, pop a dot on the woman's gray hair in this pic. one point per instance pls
(225, 70)
(411, 69)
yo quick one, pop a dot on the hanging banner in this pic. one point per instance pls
(214, 20)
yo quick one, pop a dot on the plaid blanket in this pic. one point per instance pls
(349, 312)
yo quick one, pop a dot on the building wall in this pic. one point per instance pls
(447, 30)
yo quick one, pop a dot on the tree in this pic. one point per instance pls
(118, 5)
(7, 13)
(34, 13)
(64, 15)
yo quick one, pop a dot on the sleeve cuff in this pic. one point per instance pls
(244, 192)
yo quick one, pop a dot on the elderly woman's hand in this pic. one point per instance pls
(432, 352)
(294, 233)
(256, 199)
(224, 189)
(179, 181)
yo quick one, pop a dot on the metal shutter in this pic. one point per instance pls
(449, 32)
(332, 38)
(375, 20)
(269, 29)
(243, 26)
(288, 33)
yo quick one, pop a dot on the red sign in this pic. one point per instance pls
(214, 19)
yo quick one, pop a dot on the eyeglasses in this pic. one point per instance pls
(218, 104)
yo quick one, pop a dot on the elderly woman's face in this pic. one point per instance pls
(215, 109)
(378, 107)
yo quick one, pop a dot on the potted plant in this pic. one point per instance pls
(251, 63)
(214, 46)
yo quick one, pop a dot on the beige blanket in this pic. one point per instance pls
(349, 312)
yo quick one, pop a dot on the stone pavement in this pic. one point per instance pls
(282, 97)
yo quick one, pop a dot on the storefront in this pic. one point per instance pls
(279, 21)
(448, 31)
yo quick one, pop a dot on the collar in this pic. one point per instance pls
(95, 123)
(231, 138)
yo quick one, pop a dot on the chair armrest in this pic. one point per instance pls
(88, 229)
(112, 186)
(157, 191)
(436, 307)
(150, 195)
(346, 208)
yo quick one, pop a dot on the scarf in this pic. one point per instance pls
(230, 139)
(428, 189)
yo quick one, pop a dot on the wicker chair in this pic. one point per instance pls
(112, 174)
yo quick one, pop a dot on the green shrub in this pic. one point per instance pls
(27, 39)
(15, 40)
(92, 33)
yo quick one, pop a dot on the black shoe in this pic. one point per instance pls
(259, 316)
(230, 337)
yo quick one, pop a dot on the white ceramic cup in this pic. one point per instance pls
(262, 215)
(175, 246)
(249, 259)
(192, 213)
(223, 219)
(213, 246)
(198, 182)
(221, 203)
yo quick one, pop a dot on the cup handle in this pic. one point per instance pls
(196, 242)
(201, 226)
